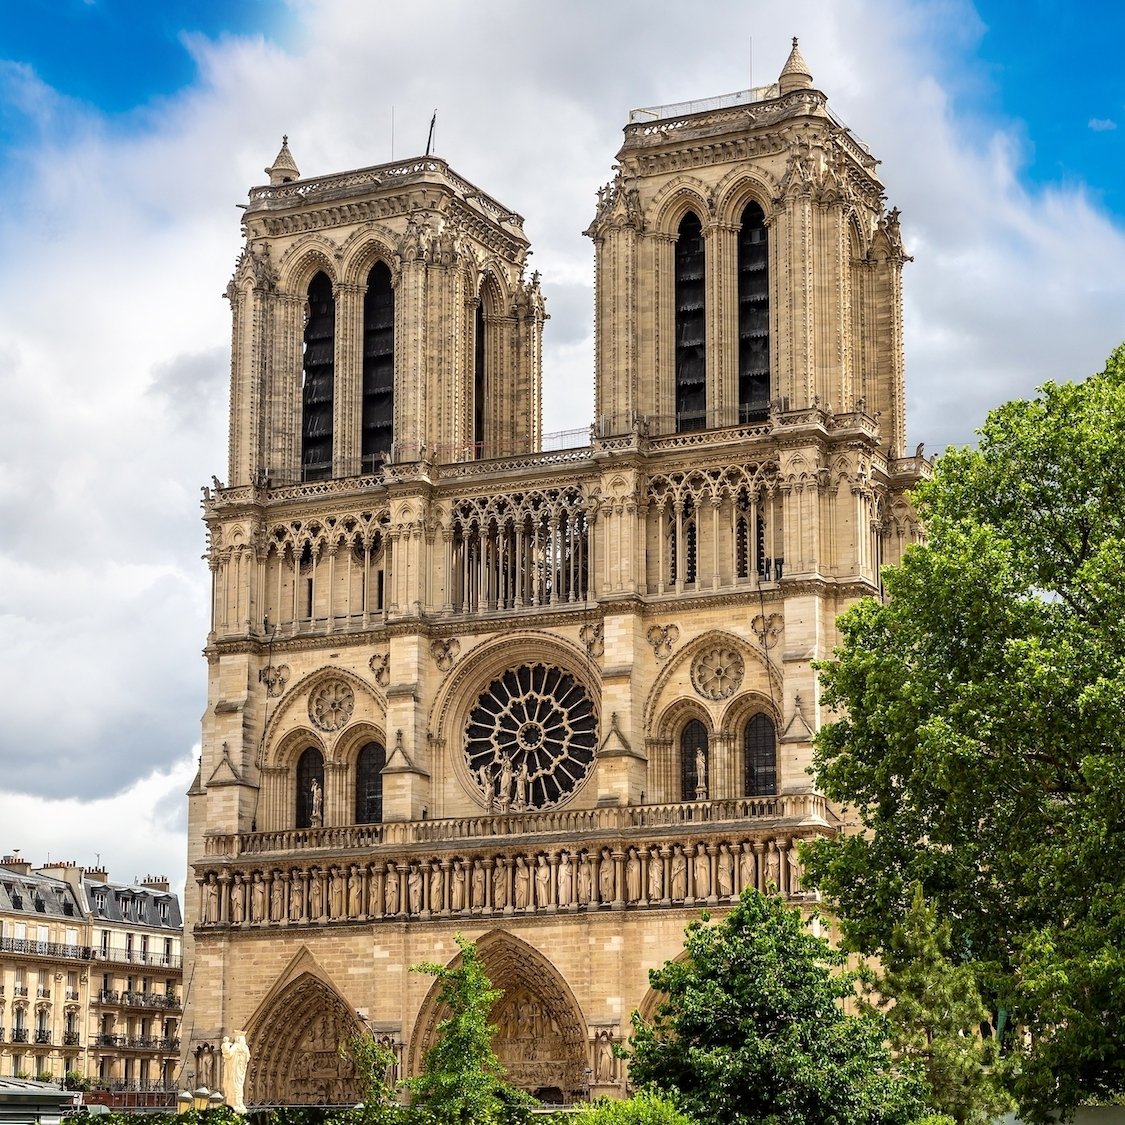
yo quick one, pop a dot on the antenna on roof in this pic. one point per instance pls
(430, 138)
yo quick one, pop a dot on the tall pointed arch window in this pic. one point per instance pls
(753, 315)
(478, 380)
(369, 784)
(693, 759)
(310, 789)
(691, 326)
(317, 381)
(760, 748)
(378, 367)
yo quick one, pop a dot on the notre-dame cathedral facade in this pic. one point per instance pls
(556, 700)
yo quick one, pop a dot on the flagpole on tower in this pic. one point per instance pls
(430, 138)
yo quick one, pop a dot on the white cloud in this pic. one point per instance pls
(1101, 124)
(117, 238)
(136, 832)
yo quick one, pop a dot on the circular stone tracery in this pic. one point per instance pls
(331, 705)
(717, 673)
(531, 737)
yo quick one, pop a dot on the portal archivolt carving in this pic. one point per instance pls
(295, 1054)
(540, 1033)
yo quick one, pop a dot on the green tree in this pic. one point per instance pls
(752, 1029)
(934, 1015)
(462, 1079)
(373, 1062)
(979, 739)
(645, 1108)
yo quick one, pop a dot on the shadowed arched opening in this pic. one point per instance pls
(295, 1054)
(540, 1031)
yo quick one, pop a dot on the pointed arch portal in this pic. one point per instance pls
(295, 1049)
(540, 1032)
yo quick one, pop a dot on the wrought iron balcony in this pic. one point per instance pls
(45, 949)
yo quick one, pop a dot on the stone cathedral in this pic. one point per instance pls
(554, 695)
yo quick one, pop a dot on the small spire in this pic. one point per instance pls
(795, 74)
(284, 168)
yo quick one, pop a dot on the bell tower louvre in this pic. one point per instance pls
(556, 700)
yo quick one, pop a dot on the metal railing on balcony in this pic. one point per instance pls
(137, 957)
(45, 948)
(107, 1039)
(42, 1035)
(43, 993)
(19, 990)
(70, 1039)
(108, 996)
(19, 1034)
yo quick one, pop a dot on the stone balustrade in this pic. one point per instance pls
(799, 808)
(694, 870)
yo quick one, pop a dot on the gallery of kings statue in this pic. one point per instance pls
(556, 700)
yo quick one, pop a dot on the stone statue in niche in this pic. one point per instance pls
(316, 896)
(773, 869)
(437, 902)
(679, 874)
(542, 883)
(390, 890)
(258, 899)
(585, 879)
(655, 875)
(296, 897)
(700, 773)
(606, 879)
(523, 884)
(355, 889)
(238, 901)
(478, 885)
(337, 892)
(205, 1066)
(488, 786)
(726, 872)
(702, 872)
(458, 886)
(316, 796)
(499, 887)
(566, 879)
(633, 877)
(604, 1062)
(277, 897)
(210, 901)
(505, 783)
(414, 888)
(794, 868)
(746, 868)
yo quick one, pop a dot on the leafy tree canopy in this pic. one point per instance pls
(979, 735)
(751, 1029)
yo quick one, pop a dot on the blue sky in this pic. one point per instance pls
(1050, 66)
(131, 129)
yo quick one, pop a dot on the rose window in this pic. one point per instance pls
(717, 673)
(531, 737)
(331, 705)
